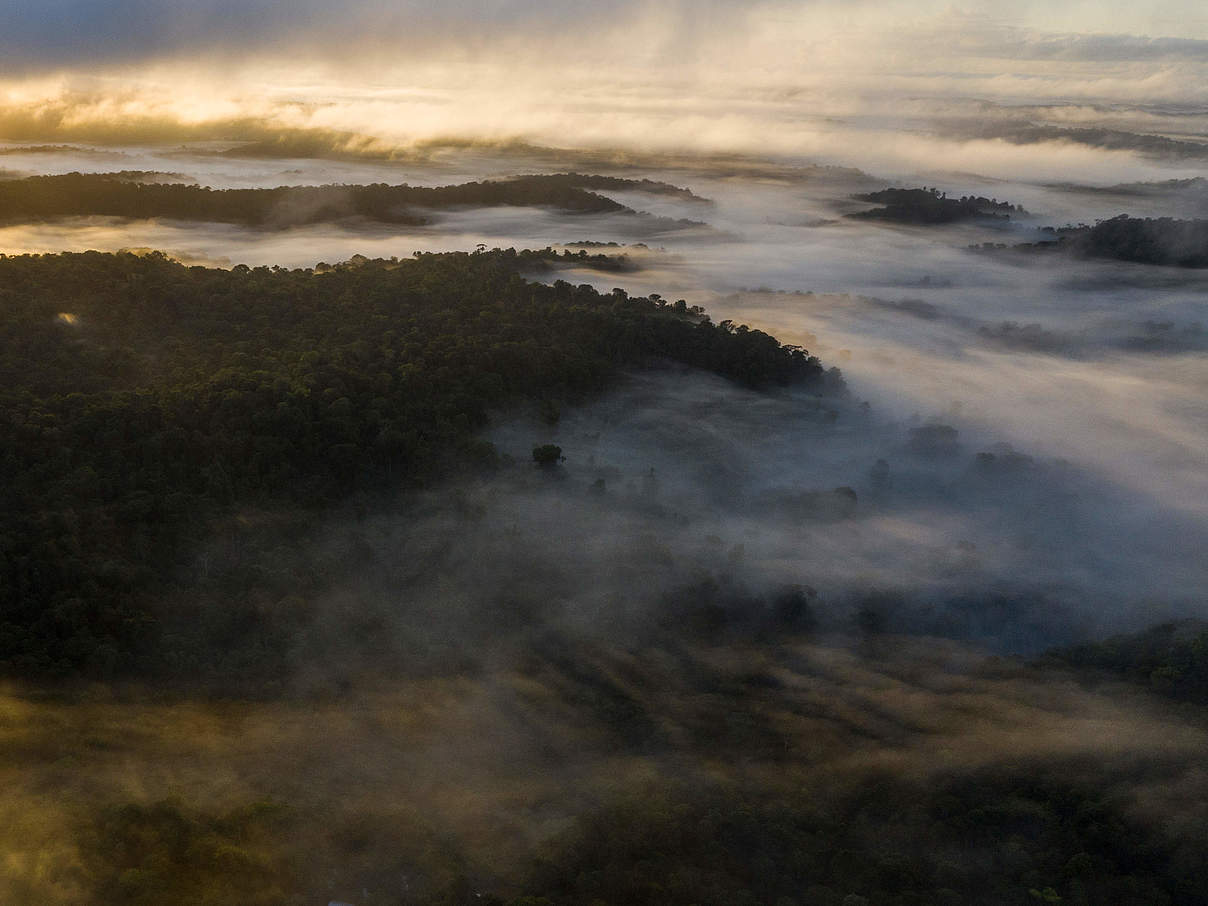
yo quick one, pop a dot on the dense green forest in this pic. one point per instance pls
(131, 195)
(931, 206)
(143, 398)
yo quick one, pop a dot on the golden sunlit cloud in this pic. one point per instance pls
(714, 77)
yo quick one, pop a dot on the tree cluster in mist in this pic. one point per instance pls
(1095, 137)
(1163, 241)
(931, 206)
(135, 194)
(1169, 189)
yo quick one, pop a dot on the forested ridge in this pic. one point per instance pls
(121, 195)
(143, 397)
(1165, 241)
(1145, 240)
(931, 206)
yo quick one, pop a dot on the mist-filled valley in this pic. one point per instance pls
(619, 454)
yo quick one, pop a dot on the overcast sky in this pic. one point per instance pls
(58, 33)
(765, 75)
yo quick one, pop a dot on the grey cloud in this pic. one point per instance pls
(1109, 48)
(85, 32)
(73, 32)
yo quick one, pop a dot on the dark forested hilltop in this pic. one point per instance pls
(1162, 240)
(120, 195)
(623, 184)
(1143, 240)
(1025, 133)
(142, 397)
(931, 206)
(1194, 185)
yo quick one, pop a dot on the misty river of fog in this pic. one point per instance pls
(1071, 501)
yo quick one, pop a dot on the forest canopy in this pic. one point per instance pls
(145, 397)
(1165, 241)
(1148, 240)
(131, 195)
(931, 206)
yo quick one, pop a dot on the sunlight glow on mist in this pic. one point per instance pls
(790, 79)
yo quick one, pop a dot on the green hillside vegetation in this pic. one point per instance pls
(131, 195)
(144, 399)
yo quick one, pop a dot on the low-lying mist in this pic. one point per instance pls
(721, 604)
(1071, 492)
(986, 778)
(688, 508)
